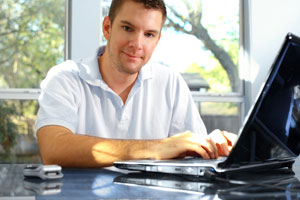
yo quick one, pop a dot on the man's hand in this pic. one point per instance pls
(223, 140)
(183, 144)
(218, 143)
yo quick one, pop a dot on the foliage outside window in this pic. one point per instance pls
(31, 41)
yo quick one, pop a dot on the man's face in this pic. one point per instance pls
(132, 37)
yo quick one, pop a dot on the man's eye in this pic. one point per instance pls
(149, 35)
(126, 28)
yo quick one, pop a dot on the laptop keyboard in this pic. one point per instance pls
(192, 160)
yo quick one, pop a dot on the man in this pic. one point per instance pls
(116, 105)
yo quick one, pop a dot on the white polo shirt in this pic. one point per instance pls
(159, 104)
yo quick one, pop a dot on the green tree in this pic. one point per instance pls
(216, 77)
(8, 130)
(192, 24)
(31, 40)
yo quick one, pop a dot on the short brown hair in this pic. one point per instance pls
(149, 4)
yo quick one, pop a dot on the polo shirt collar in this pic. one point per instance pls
(89, 70)
(146, 72)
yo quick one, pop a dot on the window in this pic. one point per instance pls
(201, 39)
(31, 41)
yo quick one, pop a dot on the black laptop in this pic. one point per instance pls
(270, 135)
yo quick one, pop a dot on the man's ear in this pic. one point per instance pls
(106, 27)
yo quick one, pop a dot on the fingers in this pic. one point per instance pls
(202, 152)
(224, 141)
(213, 148)
(204, 147)
(223, 149)
(230, 137)
(217, 136)
(208, 149)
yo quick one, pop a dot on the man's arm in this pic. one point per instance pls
(58, 145)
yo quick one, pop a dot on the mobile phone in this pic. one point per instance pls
(43, 171)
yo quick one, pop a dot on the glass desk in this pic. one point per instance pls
(111, 183)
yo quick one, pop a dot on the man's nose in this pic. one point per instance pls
(136, 41)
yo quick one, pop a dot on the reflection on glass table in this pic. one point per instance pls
(268, 184)
(43, 187)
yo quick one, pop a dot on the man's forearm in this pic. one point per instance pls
(59, 146)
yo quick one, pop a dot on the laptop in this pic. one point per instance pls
(270, 135)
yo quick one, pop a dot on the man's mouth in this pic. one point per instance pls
(132, 56)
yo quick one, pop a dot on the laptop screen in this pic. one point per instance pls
(272, 129)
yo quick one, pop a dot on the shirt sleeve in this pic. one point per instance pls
(186, 116)
(59, 100)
